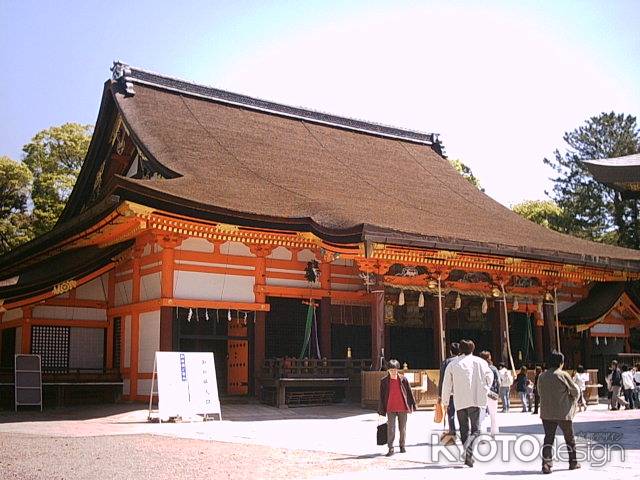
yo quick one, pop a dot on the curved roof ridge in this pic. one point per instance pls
(128, 76)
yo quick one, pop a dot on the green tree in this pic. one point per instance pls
(593, 210)
(466, 172)
(15, 183)
(54, 157)
(542, 212)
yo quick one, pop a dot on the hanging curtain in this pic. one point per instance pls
(311, 334)
(527, 346)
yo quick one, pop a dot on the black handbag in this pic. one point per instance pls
(381, 434)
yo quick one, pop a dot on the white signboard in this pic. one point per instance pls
(187, 385)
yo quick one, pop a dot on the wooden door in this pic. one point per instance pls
(238, 362)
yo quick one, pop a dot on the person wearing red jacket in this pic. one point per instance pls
(395, 401)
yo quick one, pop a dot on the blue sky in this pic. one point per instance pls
(500, 81)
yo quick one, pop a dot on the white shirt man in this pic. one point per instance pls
(506, 380)
(627, 380)
(468, 378)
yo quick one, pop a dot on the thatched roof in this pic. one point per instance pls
(242, 160)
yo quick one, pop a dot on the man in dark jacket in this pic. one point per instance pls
(454, 351)
(395, 401)
(616, 385)
(558, 397)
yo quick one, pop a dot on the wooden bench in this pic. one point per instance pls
(63, 391)
(310, 397)
(278, 392)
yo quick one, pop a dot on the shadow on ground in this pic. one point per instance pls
(625, 431)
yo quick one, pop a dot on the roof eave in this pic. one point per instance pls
(390, 237)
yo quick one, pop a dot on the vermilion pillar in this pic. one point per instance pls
(27, 313)
(259, 334)
(503, 354)
(135, 324)
(549, 329)
(377, 326)
(259, 330)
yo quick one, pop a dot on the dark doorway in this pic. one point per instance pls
(285, 327)
(483, 339)
(7, 348)
(356, 337)
(412, 345)
(522, 338)
(215, 330)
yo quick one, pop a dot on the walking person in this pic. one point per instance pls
(616, 385)
(492, 395)
(454, 351)
(396, 402)
(628, 386)
(506, 380)
(536, 395)
(468, 379)
(529, 388)
(521, 388)
(636, 381)
(580, 378)
(558, 396)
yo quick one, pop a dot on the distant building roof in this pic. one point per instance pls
(620, 173)
(601, 299)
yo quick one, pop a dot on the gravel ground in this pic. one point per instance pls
(29, 457)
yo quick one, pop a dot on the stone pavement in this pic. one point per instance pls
(350, 431)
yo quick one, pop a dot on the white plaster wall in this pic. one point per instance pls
(281, 253)
(19, 340)
(236, 248)
(213, 286)
(69, 313)
(208, 264)
(340, 275)
(14, 314)
(284, 270)
(127, 341)
(96, 289)
(151, 265)
(86, 348)
(345, 286)
(149, 341)
(126, 386)
(123, 293)
(306, 255)
(150, 286)
(285, 282)
(347, 262)
(196, 245)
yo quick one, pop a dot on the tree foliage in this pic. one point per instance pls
(466, 172)
(15, 182)
(590, 209)
(54, 157)
(542, 212)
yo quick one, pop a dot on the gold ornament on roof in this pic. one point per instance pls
(64, 287)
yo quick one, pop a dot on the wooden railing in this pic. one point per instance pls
(279, 368)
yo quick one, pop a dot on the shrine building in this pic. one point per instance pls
(204, 220)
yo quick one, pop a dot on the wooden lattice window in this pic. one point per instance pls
(52, 344)
(117, 348)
